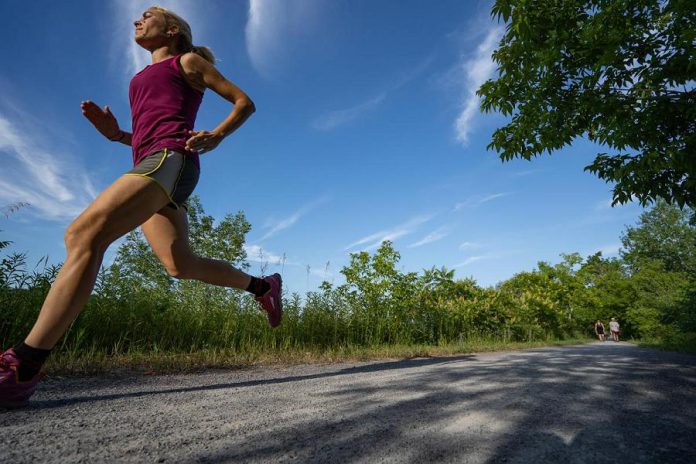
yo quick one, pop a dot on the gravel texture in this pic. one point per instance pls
(602, 402)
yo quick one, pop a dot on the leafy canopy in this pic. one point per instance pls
(663, 233)
(620, 72)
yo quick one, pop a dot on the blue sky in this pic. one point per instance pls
(367, 128)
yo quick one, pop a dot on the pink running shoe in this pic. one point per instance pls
(271, 301)
(13, 393)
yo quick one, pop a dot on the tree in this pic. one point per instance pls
(658, 299)
(620, 72)
(607, 292)
(660, 252)
(664, 233)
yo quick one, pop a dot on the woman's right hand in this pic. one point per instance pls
(102, 119)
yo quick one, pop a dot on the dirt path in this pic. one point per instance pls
(593, 403)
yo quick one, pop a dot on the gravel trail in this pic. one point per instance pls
(602, 402)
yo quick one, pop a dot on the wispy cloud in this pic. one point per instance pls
(392, 234)
(603, 205)
(477, 200)
(337, 118)
(610, 250)
(289, 221)
(469, 246)
(258, 254)
(270, 26)
(322, 272)
(471, 260)
(475, 71)
(433, 236)
(52, 182)
(524, 173)
(340, 117)
(498, 254)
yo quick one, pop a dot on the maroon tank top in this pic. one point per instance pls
(163, 108)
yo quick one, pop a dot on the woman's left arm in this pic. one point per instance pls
(203, 73)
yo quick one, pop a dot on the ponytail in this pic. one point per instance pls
(204, 52)
(185, 40)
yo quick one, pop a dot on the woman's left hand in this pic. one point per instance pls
(203, 141)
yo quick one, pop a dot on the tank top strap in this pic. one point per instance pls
(175, 61)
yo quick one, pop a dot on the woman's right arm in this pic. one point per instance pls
(105, 122)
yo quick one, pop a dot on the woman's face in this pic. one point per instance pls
(151, 30)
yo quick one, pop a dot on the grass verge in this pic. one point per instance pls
(682, 342)
(94, 363)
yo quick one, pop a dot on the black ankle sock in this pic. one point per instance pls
(31, 360)
(258, 286)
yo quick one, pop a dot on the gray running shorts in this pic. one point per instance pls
(173, 171)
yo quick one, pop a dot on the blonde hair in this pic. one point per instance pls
(185, 40)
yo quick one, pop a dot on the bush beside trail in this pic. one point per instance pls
(137, 308)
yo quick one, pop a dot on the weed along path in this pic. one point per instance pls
(610, 402)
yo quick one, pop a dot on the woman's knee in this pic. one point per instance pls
(86, 234)
(182, 268)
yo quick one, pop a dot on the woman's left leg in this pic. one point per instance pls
(120, 208)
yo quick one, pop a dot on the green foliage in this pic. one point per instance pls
(660, 252)
(137, 307)
(664, 233)
(620, 72)
(607, 292)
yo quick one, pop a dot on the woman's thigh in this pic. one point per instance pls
(167, 233)
(121, 207)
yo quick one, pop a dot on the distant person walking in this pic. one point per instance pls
(614, 328)
(599, 330)
(164, 98)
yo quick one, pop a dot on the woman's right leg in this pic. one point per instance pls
(120, 208)
(167, 233)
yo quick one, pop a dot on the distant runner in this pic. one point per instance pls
(164, 99)
(599, 330)
(614, 328)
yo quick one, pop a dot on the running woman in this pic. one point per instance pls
(164, 99)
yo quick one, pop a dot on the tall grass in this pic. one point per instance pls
(187, 319)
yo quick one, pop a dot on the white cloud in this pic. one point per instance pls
(477, 200)
(603, 205)
(258, 254)
(499, 254)
(52, 182)
(392, 234)
(323, 273)
(524, 173)
(475, 71)
(413, 73)
(470, 260)
(433, 236)
(610, 250)
(469, 246)
(339, 117)
(271, 25)
(292, 219)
